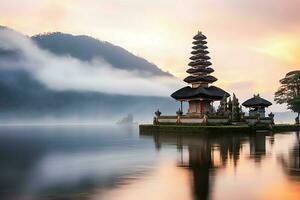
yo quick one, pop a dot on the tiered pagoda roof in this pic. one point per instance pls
(208, 93)
(199, 71)
(199, 74)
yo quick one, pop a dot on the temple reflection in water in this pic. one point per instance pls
(291, 162)
(205, 155)
(117, 163)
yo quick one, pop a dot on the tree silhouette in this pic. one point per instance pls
(289, 92)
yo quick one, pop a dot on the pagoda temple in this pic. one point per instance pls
(200, 94)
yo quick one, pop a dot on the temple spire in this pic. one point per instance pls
(201, 95)
(199, 65)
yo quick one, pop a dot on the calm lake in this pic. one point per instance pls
(117, 163)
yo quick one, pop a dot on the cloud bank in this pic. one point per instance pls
(67, 73)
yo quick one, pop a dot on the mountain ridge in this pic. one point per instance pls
(24, 97)
(87, 48)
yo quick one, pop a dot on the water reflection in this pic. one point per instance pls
(257, 146)
(67, 162)
(203, 152)
(207, 154)
(115, 163)
(291, 162)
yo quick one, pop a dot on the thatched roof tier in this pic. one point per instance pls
(211, 93)
(199, 51)
(200, 79)
(199, 47)
(199, 36)
(197, 42)
(200, 56)
(256, 101)
(200, 66)
(207, 70)
(200, 63)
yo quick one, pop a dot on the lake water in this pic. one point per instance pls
(117, 163)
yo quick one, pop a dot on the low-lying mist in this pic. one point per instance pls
(39, 86)
(67, 73)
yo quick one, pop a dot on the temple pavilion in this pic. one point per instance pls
(200, 94)
(257, 105)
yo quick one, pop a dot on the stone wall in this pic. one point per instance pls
(183, 119)
(194, 119)
(264, 120)
(218, 120)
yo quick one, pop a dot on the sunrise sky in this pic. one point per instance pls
(253, 44)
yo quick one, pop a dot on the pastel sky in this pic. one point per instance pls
(253, 44)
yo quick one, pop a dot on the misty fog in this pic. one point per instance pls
(66, 74)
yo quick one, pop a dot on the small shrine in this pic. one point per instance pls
(257, 106)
